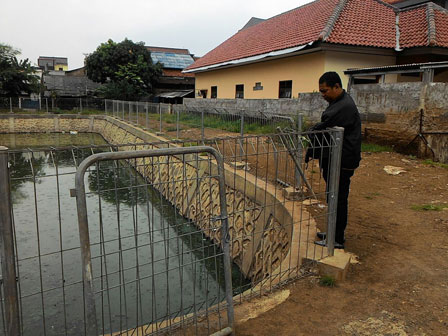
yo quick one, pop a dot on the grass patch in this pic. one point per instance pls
(327, 281)
(230, 125)
(374, 148)
(435, 164)
(429, 207)
(372, 195)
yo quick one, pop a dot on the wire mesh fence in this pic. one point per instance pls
(177, 120)
(156, 238)
(51, 105)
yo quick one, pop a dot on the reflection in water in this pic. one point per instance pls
(148, 261)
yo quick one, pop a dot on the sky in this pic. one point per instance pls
(74, 28)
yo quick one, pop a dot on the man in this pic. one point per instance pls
(341, 112)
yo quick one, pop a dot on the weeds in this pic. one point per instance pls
(429, 207)
(370, 196)
(327, 281)
(374, 148)
(435, 164)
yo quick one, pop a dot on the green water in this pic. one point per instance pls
(157, 263)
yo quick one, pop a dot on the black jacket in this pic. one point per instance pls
(343, 113)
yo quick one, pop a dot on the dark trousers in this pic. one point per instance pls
(344, 189)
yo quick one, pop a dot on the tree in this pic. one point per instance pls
(16, 77)
(126, 68)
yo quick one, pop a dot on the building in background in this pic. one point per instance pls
(47, 63)
(173, 85)
(73, 83)
(285, 55)
(410, 3)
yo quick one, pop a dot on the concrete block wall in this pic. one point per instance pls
(390, 112)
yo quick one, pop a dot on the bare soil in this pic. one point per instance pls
(400, 285)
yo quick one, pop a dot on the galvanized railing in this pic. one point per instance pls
(167, 119)
(145, 230)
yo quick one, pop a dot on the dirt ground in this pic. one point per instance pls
(400, 285)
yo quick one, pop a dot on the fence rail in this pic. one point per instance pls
(156, 242)
(53, 105)
(177, 119)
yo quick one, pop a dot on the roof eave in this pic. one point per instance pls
(252, 59)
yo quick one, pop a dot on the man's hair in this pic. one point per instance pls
(330, 78)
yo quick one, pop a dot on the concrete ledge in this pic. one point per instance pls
(335, 266)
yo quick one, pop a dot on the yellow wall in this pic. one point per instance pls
(341, 61)
(63, 66)
(303, 70)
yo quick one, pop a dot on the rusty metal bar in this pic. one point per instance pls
(7, 248)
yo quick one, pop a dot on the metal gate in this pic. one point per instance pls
(147, 266)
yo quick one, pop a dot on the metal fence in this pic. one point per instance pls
(178, 120)
(53, 105)
(157, 244)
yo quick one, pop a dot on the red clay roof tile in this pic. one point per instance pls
(414, 27)
(370, 23)
(175, 73)
(293, 28)
(441, 20)
(365, 23)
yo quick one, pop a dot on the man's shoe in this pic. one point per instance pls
(324, 243)
(322, 235)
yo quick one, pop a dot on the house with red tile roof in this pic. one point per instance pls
(410, 3)
(285, 55)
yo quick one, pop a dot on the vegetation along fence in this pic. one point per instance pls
(154, 257)
(175, 120)
(51, 105)
(178, 120)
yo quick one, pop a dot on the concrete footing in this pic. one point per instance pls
(335, 266)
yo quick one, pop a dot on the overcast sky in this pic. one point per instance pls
(72, 28)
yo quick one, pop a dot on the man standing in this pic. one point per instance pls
(341, 112)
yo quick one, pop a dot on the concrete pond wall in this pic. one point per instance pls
(265, 228)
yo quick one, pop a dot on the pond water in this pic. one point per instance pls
(149, 262)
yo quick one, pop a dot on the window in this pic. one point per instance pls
(203, 93)
(239, 91)
(285, 88)
(214, 92)
(258, 86)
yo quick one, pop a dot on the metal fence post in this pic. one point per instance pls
(10, 104)
(129, 108)
(46, 103)
(80, 105)
(105, 107)
(299, 149)
(337, 136)
(202, 125)
(7, 249)
(241, 133)
(160, 117)
(177, 123)
(146, 107)
(122, 110)
(138, 106)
